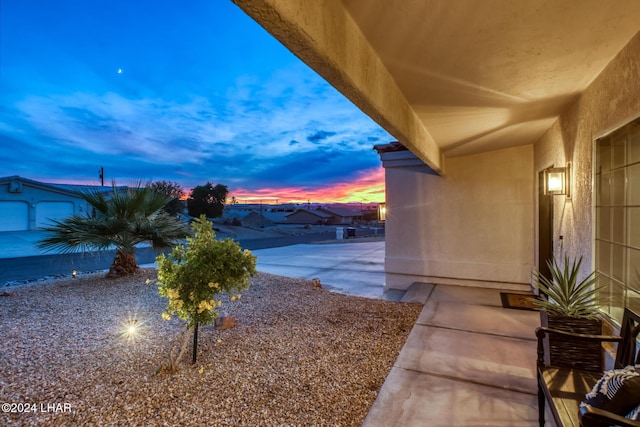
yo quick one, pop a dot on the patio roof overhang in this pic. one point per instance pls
(452, 78)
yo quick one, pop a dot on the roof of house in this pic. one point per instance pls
(69, 189)
(314, 212)
(83, 188)
(343, 212)
(390, 147)
(37, 184)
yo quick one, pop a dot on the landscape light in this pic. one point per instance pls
(130, 329)
(74, 273)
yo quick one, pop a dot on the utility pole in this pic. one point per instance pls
(101, 176)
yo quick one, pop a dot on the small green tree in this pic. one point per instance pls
(207, 200)
(192, 276)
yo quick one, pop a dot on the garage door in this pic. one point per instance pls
(46, 211)
(14, 216)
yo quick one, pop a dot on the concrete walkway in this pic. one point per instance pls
(467, 360)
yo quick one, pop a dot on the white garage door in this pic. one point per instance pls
(14, 216)
(46, 211)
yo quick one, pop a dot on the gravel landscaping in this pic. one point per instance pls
(299, 356)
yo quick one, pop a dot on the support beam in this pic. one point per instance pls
(324, 36)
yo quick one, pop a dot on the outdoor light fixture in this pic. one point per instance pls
(130, 329)
(557, 181)
(382, 212)
(74, 273)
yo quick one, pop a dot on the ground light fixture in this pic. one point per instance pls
(130, 329)
(557, 181)
(74, 273)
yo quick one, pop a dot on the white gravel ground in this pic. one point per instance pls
(299, 356)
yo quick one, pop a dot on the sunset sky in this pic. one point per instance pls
(189, 92)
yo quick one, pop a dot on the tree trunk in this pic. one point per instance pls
(123, 264)
(195, 344)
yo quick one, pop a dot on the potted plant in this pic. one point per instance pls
(569, 304)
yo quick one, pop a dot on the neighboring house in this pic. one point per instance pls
(305, 216)
(341, 216)
(325, 216)
(290, 214)
(26, 204)
(485, 99)
(274, 213)
(278, 213)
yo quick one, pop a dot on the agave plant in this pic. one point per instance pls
(567, 296)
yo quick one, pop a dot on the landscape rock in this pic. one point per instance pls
(225, 321)
(301, 355)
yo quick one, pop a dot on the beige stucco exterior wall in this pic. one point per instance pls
(610, 101)
(474, 226)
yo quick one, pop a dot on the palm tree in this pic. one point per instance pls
(129, 217)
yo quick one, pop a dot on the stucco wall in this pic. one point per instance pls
(610, 101)
(472, 226)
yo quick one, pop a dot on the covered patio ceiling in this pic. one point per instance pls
(454, 77)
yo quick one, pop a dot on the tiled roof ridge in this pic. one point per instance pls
(390, 147)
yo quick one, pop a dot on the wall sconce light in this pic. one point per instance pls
(382, 212)
(557, 181)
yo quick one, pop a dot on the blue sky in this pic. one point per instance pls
(190, 92)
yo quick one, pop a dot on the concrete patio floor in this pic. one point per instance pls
(467, 360)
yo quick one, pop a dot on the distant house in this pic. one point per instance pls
(26, 204)
(278, 213)
(341, 215)
(272, 213)
(322, 215)
(305, 216)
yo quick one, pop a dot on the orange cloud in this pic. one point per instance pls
(367, 188)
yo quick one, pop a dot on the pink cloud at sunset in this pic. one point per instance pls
(367, 188)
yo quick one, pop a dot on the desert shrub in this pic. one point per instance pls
(192, 276)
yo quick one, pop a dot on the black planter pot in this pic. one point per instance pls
(570, 354)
